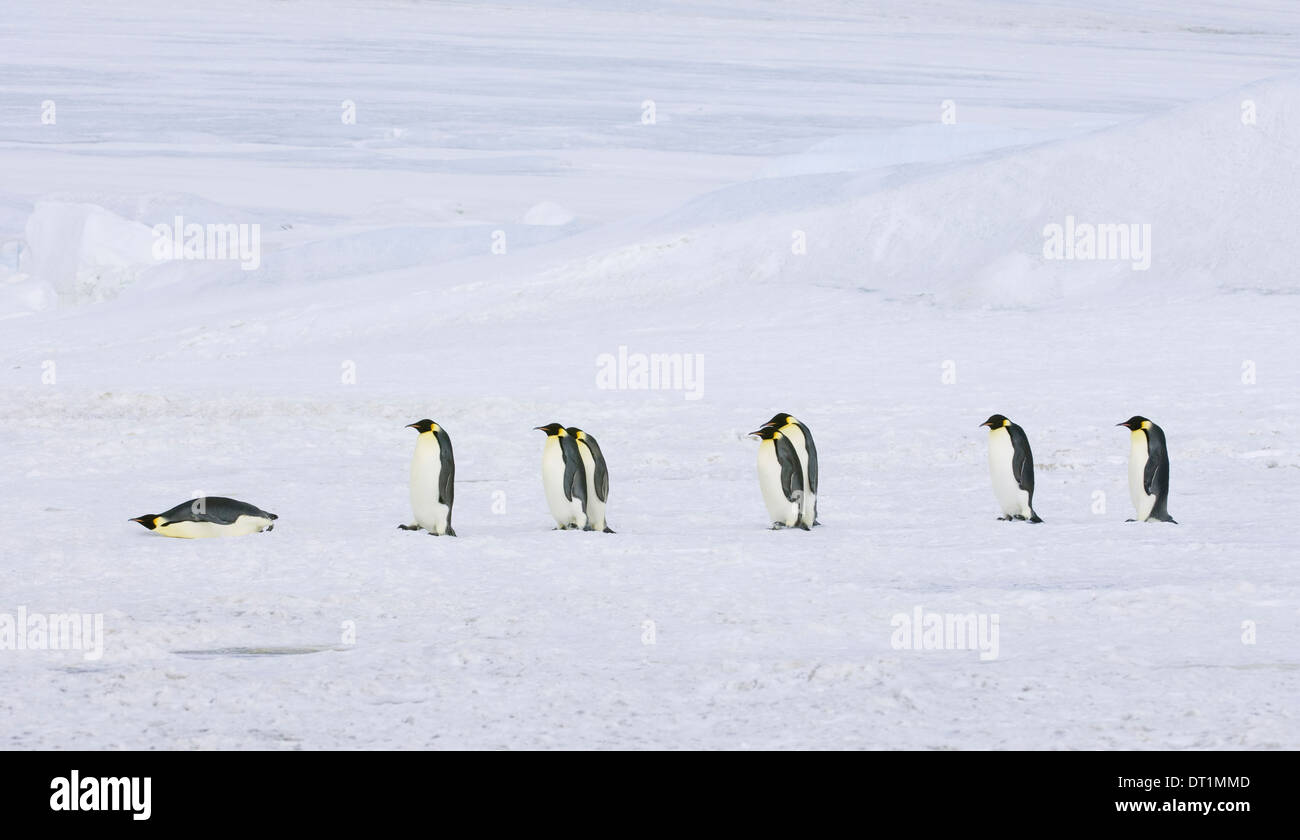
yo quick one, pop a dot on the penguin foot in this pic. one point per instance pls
(804, 527)
(1130, 520)
(1017, 517)
(588, 528)
(271, 527)
(776, 526)
(410, 527)
(1004, 518)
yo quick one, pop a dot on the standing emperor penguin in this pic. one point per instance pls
(1011, 466)
(433, 479)
(210, 516)
(780, 478)
(1148, 470)
(802, 441)
(564, 478)
(597, 476)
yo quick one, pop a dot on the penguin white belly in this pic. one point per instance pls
(205, 530)
(808, 503)
(595, 507)
(1137, 467)
(1002, 453)
(566, 511)
(779, 508)
(426, 470)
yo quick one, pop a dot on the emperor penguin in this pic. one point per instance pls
(1148, 470)
(564, 478)
(209, 516)
(1011, 466)
(802, 441)
(597, 476)
(780, 478)
(433, 480)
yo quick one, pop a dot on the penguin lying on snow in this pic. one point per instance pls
(1148, 470)
(564, 478)
(211, 516)
(780, 478)
(1011, 466)
(433, 479)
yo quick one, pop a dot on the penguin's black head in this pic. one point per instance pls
(767, 432)
(997, 421)
(149, 520)
(1135, 422)
(575, 432)
(552, 429)
(780, 419)
(423, 426)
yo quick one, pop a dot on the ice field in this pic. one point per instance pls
(832, 209)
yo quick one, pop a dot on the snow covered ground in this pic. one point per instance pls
(777, 189)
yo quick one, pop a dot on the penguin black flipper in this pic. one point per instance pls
(601, 473)
(812, 457)
(1022, 460)
(575, 474)
(446, 471)
(1155, 478)
(215, 509)
(446, 475)
(791, 471)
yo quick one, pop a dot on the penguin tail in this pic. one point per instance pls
(609, 530)
(449, 532)
(1033, 517)
(270, 515)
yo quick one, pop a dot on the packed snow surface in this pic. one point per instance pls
(489, 215)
